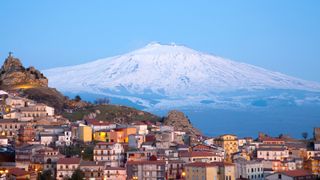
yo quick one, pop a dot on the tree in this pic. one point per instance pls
(305, 135)
(77, 175)
(45, 175)
(101, 101)
(77, 98)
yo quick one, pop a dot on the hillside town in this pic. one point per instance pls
(38, 143)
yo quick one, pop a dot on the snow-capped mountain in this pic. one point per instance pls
(167, 76)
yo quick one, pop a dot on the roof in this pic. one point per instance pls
(98, 123)
(271, 139)
(297, 173)
(212, 164)
(197, 154)
(91, 163)
(18, 172)
(115, 168)
(69, 161)
(272, 149)
(161, 162)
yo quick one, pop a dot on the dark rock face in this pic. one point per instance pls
(14, 75)
(180, 122)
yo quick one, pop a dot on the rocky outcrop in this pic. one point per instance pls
(13, 75)
(180, 122)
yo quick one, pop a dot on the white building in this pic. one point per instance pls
(272, 153)
(249, 169)
(111, 153)
(66, 166)
(64, 139)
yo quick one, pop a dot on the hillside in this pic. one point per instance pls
(111, 113)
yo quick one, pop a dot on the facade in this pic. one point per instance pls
(113, 154)
(249, 169)
(66, 166)
(229, 143)
(151, 170)
(121, 135)
(291, 175)
(216, 171)
(115, 173)
(10, 127)
(200, 156)
(92, 169)
(313, 164)
(85, 133)
(273, 153)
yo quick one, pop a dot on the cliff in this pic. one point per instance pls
(13, 75)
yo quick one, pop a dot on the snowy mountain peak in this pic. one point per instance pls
(156, 48)
(159, 72)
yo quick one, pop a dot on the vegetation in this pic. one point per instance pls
(83, 151)
(45, 175)
(77, 175)
(77, 98)
(304, 135)
(101, 101)
(112, 113)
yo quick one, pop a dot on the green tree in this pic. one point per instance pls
(77, 98)
(45, 175)
(77, 175)
(305, 135)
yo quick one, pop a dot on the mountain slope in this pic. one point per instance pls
(165, 76)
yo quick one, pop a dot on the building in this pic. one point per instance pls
(216, 171)
(291, 175)
(272, 140)
(229, 143)
(200, 156)
(47, 159)
(175, 169)
(24, 154)
(121, 134)
(21, 174)
(100, 125)
(272, 152)
(249, 169)
(150, 169)
(26, 134)
(115, 173)
(316, 134)
(66, 166)
(113, 154)
(92, 169)
(85, 133)
(10, 127)
(313, 164)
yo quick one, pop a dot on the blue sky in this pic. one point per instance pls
(278, 35)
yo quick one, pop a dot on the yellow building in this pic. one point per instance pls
(85, 133)
(313, 164)
(229, 143)
(215, 170)
(101, 136)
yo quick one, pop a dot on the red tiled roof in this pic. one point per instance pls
(68, 161)
(18, 172)
(297, 173)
